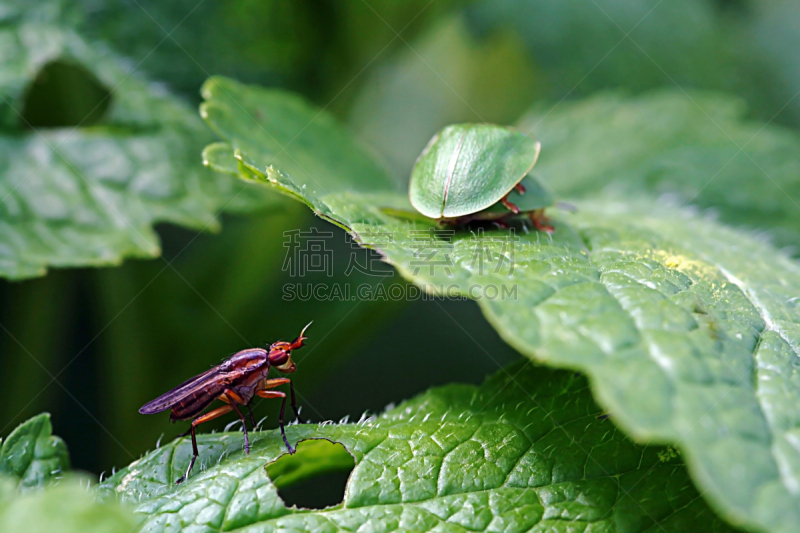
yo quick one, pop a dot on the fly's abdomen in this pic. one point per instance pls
(196, 401)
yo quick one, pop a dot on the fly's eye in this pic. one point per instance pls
(278, 357)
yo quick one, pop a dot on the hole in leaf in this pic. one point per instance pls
(315, 477)
(64, 94)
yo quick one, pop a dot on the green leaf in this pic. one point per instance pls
(696, 146)
(293, 136)
(524, 450)
(685, 327)
(270, 42)
(38, 495)
(89, 195)
(32, 454)
(287, 133)
(69, 507)
(219, 157)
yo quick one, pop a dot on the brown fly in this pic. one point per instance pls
(236, 381)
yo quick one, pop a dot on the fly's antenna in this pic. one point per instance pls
(298, 342)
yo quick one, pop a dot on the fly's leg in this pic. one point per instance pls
(279, 394)
(195, 453)
(244, 427)
(294, 404)
(272, 383)
(233, 398)
(252, 417)
(211, 415)
(540, 221)
(512, 207)
(280, 423)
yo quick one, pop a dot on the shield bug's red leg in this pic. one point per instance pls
(279, 394)
(520, 188)
(211, 415)
(514, 209)
(541, 222)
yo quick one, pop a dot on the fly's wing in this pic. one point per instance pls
(179, 393)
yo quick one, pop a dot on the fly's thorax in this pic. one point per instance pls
(249, 359)
(262, 383)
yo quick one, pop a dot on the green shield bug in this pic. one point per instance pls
(473, 172)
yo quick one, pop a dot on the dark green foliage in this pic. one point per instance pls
(75, 194)
(684, 327)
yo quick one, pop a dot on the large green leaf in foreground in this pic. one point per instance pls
(67, 507)
(32, 454)
(687, 329)
(523, 451)
(89, 194)
(39, 495)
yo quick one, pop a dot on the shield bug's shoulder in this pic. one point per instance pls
(534, 198)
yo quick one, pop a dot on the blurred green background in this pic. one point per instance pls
(108, 340)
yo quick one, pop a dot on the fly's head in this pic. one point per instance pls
(280, 353)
